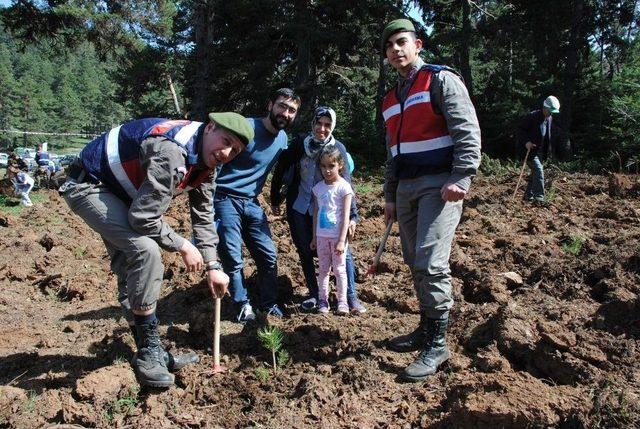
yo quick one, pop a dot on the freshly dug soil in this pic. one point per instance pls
(545, 331)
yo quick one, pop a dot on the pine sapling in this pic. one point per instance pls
(271, 338)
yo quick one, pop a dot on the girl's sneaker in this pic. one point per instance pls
(343, 309)
(323, 307)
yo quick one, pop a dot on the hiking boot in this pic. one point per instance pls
(410, 342)
(356, 306)
(149, 363)
(309, 304)
(246, 314)
(274, 310)
(178, 361)
(435, 351)
(173, 362)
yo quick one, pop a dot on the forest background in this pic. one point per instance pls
(72, 66)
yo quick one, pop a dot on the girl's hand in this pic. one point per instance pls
(351, 232)
(313, 244)
(340, 247)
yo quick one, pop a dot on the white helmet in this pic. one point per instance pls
(552, 103)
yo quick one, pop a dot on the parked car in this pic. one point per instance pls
(65, 160)
(4, 159)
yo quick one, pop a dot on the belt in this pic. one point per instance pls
(77, 173)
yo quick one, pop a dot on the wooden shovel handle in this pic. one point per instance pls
(216, 334)
(383, 242)
(524, 163)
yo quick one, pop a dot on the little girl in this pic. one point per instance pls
(330, 225)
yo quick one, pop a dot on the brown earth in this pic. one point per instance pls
(545, 332)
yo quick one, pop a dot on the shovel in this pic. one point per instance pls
(524, 163)
(373, 268)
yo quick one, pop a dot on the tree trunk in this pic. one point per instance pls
(571, 70)
(172, 89)
(304, 84)
(465, 46)
(203, 25)
(380, 127)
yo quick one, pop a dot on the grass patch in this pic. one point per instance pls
(495, 167)
(363, 188)
(30, 405)
(122, 406)
(80, 252)
(573, 245)
(11, 205)
(551, 194)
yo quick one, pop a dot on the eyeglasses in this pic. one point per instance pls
(286, 107)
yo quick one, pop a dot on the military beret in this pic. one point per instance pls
(395, 26)
(235, 123)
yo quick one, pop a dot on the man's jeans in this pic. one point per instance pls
(301, 226)
(243, 219)
(535, 189)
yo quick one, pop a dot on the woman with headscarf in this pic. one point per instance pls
(299, 170)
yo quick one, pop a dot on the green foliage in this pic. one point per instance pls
(32, 399)
(625, 112)
(11, 204)
(573, 245)
(271, 338)
(495, 167)
(80, 251)
(59, 91)
(612, 408)
(283, 357)
(262, 374)
(96, 64)
(123, 405)
(363, 188)
(551, 194)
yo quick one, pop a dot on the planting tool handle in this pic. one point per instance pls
(216, 334)
(383, 242)
(524, 163)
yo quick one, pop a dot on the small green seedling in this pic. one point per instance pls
(80, 252)
(124, 405)
(262, 374)
(271, 338)
(30, 405)
(573, 245)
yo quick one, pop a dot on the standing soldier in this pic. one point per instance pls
(433, 142)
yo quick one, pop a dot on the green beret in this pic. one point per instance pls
(234, 122)
(395, 26)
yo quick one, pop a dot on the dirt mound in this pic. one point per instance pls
(545, 331)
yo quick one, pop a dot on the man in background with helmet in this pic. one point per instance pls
(539, 135)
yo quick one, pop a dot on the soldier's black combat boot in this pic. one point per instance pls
(412, 341)
(149, 363)
(173, 362)
(434, 353)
